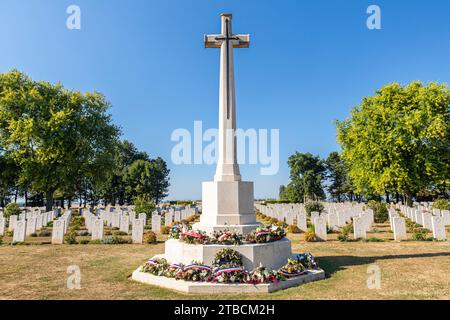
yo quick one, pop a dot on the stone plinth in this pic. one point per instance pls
(206, 287)
(227, 205)
(272, 255)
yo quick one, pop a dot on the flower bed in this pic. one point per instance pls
(227, 267)
(226, 237)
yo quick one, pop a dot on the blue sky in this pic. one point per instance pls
(309, 63)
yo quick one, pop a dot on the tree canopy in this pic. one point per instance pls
(55, 142)
(399, 140)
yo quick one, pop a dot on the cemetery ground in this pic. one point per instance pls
(409, 270)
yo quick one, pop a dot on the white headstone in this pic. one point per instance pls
(333, 221)
(359, 228)
(12, 222)
(426, 218)
(320, 228)
(446, 217)
(2, 226)
(97, 229)
(19, 231)
(177, 216)
(31, 226)
(399, 228)
(314, 215)
(125, 223)
(156, 223)
(143, 217)
(168, 219)
(58, 232)
(116, 216)
(38, 221)
(301, 222)
(438, 228)
(137, 233)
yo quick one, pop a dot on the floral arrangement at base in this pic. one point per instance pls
(194, 237)
(175, 231)
(266, 234)
(307, 260)
(156, 266)
(292, 269)
(263, 275)
(196, 271)
(228, 268)
(226, 237)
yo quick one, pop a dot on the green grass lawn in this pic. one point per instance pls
(410, 270)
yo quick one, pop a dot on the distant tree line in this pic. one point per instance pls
(61, 145)
(395, 147)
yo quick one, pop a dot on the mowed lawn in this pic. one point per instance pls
(409, 270)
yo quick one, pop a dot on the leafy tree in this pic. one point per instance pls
(148, 179)
(9, 173)
(306, 172)
(399, 140)
(161, 179)
(12, 209)
(339, 184)
(144, 205)
(52, 133)
(282, 192)
(126, 153)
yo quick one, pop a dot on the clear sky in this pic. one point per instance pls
(309, 63)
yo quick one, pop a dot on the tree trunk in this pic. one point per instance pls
(26, 198)
(49, 201)
(409, 201)
(387, 197)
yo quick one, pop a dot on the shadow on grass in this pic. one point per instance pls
(333, 264)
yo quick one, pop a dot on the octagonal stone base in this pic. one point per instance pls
(214, 288)
(272, 255)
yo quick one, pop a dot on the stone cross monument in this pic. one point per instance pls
(227, 201)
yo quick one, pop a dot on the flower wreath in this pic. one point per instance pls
(292, 269)
(226, 237)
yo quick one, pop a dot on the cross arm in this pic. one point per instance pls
(216, 40)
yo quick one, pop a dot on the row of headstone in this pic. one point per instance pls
(333, 216)
(434, 220)
(25, 224)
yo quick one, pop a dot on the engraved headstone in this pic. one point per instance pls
(97, 229)
(168, 219)
(2, 226)
(426, 218)
(301, 222)
(320, 228)
(143, 217)
(58, 232)
(332, 221)
(12, 222)
(359, 228)
(31, 226)
(438, 228)
(137, 233)
(125, 223)
(399, 228)
(39, 222)
(19, 231)
(314, 215)
(156, 223)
